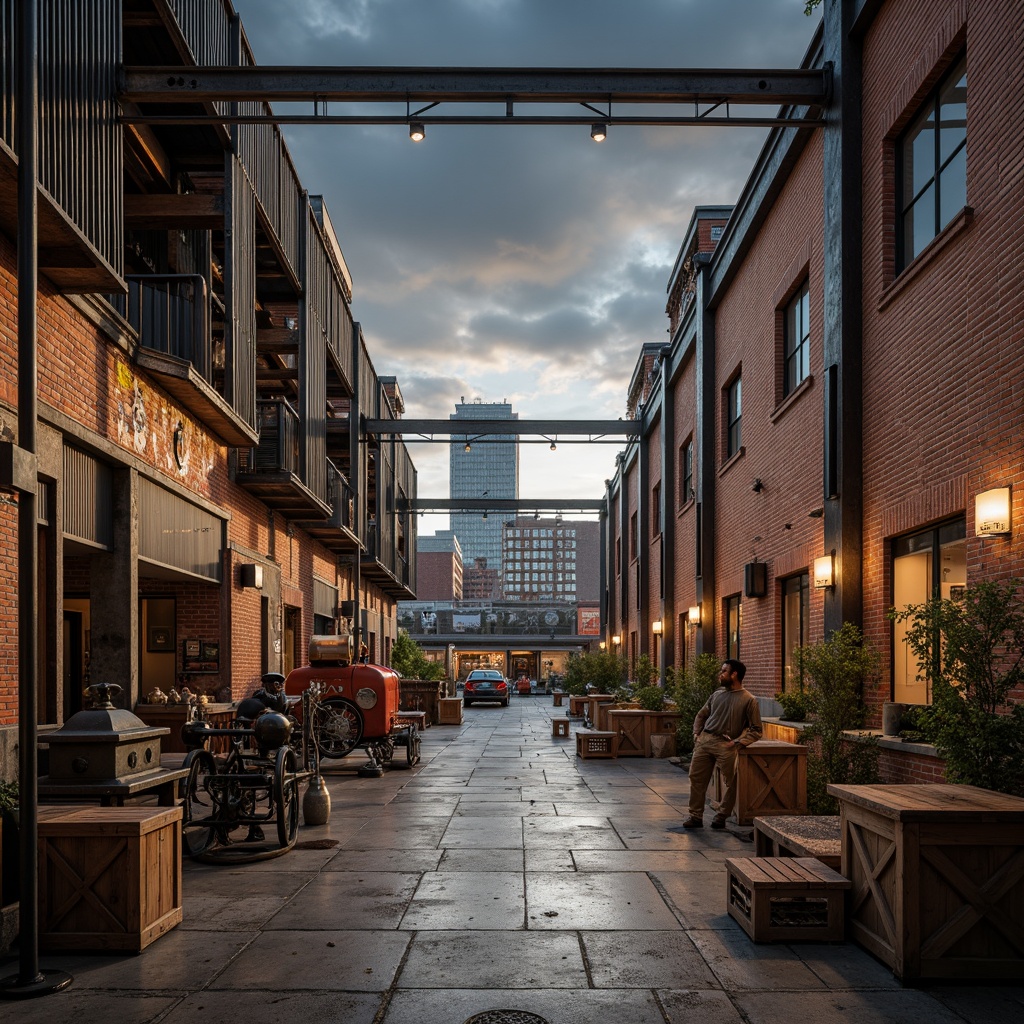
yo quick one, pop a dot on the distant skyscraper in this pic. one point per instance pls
(490, 469)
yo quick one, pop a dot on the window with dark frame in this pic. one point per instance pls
(733, 625)
(734, 417)
(931, 159)
(632, 537)
(686, 472)
(796, 604)
(796, 340)
(656, 510)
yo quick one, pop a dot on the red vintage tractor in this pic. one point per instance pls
(357, 706)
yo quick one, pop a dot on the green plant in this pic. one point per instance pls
(691, 690)
(409, 661)
(971, 652)
(8, 795)
(835, 671)
(650, 698)
(602, 671)
(795, 704)
(645, 672)
(916, 724)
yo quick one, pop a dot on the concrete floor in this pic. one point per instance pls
(501, 873)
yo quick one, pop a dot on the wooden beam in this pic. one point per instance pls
(169, 212)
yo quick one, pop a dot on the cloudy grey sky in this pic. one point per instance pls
(526, 264)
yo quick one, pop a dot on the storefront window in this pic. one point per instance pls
(925, 565)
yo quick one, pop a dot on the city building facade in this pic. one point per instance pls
(205, 501)
(482, 466)
(550, 559)
(439, 567)
(838, 399)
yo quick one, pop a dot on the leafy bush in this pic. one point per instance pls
(8, 795)
(645, 672)
(409, 661)
(835, 671)
(690, 690)
(795, 705)
(650, 698)
(971, 651)
(600, 671)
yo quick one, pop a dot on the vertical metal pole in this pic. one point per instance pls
(30, 980)
(28, 554)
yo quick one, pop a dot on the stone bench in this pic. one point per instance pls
(799, 835)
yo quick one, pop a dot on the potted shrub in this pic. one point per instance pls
(795, 704)
(971, 651)
(690, 689)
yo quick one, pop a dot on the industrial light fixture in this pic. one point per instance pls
(656, 627)
(602, 645)
(992, 512)
(416, 131)
(553, 446)
(616, 639)
(693, 615)
(468, 447)
(484, 517)
(825, 571)
(599, 131)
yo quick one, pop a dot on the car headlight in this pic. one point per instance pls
(366, 697)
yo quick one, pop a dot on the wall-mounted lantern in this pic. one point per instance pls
(825, 571)
(992, 513)
(693, 615)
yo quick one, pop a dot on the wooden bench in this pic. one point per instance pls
(559, 727)
(786, 899)
(419, 717)
(799, 835)
(592, 743)
(557, 699)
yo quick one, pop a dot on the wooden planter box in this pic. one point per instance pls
(450, 711)
(577, 706)
(593, 700)
(786, 899)
(635, 727)
(799, 835)
(420, 695)
(109, 877)
(771, 778)
(938, 878)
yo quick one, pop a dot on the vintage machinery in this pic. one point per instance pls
(357, 706)
(255, 784)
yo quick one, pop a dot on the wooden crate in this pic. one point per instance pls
(786, 899)
(450, 711)
(799, 835)
(418, 718)
(556, 699)
(938, 878)
(577, 706)
(592, 743)
(559, 727)
(771, 778)
(109, 877)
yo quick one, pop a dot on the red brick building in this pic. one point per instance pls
(439, 567)
(845, 366)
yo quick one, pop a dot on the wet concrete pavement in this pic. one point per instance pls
(502, 873)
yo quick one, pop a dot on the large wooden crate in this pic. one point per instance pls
(786, 899)
(577, 706)
(109, 877)
(771, 778)
(591, 743)
(450, 711)
(938, 878)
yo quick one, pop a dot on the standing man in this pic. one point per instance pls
(730, 719)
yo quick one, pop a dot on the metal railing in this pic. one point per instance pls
(278, 447)
(341, 498)
(171, 314)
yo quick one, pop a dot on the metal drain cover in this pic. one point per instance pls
(506, 1017)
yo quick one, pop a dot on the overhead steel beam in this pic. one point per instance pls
(530, 505)
(478, 428)
(774, 86)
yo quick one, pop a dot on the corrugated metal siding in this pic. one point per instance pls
(176, 533)
(240, 295)
(325, 598)
(80, 138)
(313, 360)
(88, 499)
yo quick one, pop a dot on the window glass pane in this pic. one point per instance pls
(952, 113)
(795, 608)
(919, 226)
(919, 155)
(911, 584)
(953, 188)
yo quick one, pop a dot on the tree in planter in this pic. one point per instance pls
(644, 672)
(971, 652)
(409, 661)
(602, 671)
(690, 689)
(835, 671)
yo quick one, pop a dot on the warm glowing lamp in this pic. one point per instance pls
(992, 512)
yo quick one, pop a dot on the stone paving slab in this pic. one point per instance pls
(594, 900)
(449, 900)
(350, 900)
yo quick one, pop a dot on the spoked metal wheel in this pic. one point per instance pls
(197, 830)
(337, 727)
(410, 739)
(286, 796)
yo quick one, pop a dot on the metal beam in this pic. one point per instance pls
(774, 87)
(463, 428)
(526, 505)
